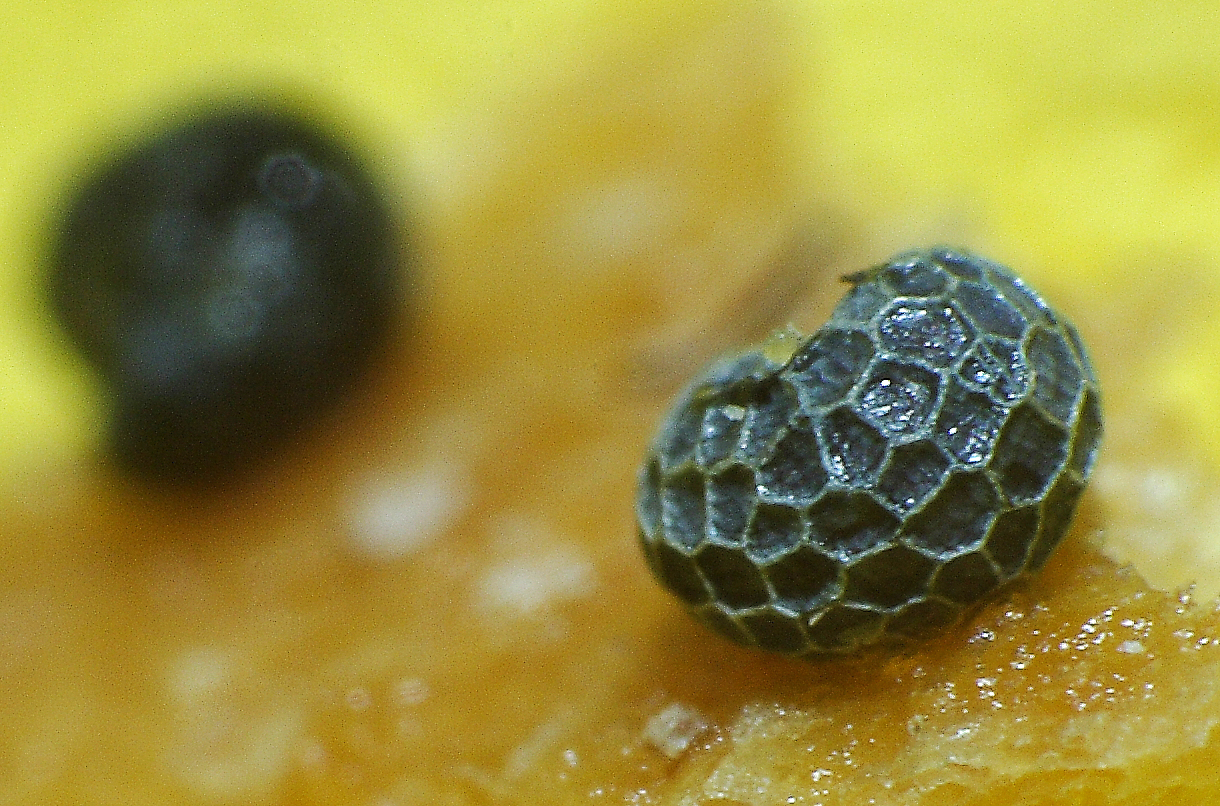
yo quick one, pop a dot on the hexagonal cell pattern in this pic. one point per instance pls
(923, 449)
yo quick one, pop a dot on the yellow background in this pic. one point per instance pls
(1078, 138)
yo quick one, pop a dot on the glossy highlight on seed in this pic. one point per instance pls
(229, 277)
(924, 448)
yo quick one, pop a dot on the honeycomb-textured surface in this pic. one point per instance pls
(923, 448)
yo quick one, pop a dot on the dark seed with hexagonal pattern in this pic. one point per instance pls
(924, 448)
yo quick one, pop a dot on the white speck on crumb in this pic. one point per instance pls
(620, 219)
(674, 728)
(358, 699)
(199, 673)
(411, 691)
(313, 755)
(234, 732)
(1131, 648)
(530, 583)
(392, 514)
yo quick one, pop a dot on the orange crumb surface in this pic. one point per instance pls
(436, 596)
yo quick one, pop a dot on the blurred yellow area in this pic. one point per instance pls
(607, 194)
(1077, 139)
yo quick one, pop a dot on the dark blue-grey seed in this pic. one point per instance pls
(229, 278)
(926, 447)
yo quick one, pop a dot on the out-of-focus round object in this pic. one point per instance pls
(229, 278)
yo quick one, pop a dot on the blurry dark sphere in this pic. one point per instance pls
(229, 278)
